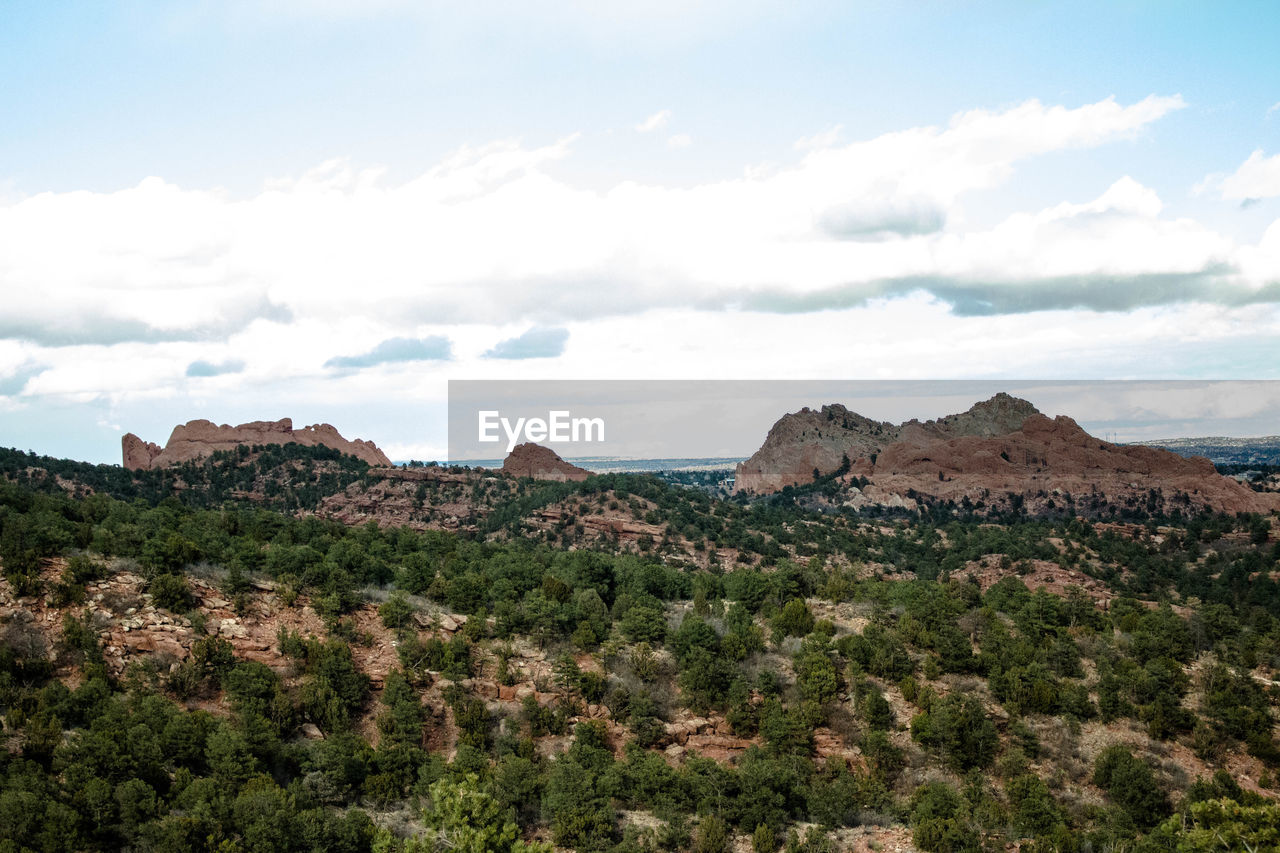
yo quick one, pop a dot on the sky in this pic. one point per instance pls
(326, 209)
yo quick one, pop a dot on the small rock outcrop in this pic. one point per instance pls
(199, 438)
(541, 463)
(138, 454)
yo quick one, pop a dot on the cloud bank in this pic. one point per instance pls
(463, 242)
(338, 271)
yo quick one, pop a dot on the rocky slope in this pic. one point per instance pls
(135, 632)
(541, 463)
(418, 498)
(200, 438)
(999, 447)
(807, 441)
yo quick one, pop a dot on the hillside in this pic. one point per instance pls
(613, 664)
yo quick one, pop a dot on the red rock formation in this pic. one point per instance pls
(391, 498)
(199, 438)
(617, 528)
(138, 454)
(1048, 459)
(1001, 446)
(800, 443)
(541, 463)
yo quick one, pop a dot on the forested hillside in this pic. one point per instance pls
(193, 659)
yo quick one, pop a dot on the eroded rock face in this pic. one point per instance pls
(1051, 458)
(199, 438)
(807, 441)
(417, 498)
(541, 463)
(138, 454)
(1000, 446)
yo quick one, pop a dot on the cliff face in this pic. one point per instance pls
(541, 463)
(138, 454)
(807, 440)
(199, 438)
(1000, 446)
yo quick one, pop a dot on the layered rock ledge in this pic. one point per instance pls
(200, 438)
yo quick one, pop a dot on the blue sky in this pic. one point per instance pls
(324, 209)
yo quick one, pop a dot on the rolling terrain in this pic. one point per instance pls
(281, 647)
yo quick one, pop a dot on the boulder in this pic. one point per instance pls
(231, 628)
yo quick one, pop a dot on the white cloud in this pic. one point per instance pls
(825, 139)
(679, 140)
(118, 293)
(657, 121)
(1120, 233)
(537, 342)
(1257, 177)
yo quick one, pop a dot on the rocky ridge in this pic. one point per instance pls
(432, 498)
(1002, 446)
(807, 441)
(200, 438)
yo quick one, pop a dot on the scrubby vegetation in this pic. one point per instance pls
(839, 674)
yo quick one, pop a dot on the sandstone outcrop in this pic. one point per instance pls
(1001, 446)
(541, 463)
(138, 454)
(200, 438)
(807, 441)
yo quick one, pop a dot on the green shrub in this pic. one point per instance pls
(764, 839)
(171, 592)
(396, 611)
(793, 620)
(1034, 811)
(959, 729)
(1131, 785)
(940, 822)
(712, 836)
